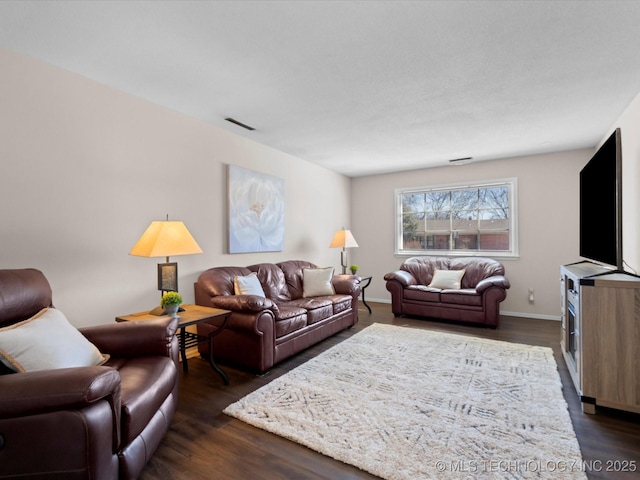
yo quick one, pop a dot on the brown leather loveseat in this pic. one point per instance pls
(82, 422)
(481, 286)
(282, 319)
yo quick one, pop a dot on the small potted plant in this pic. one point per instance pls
(353, 268)
(171, 302)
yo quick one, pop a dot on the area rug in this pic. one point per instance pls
(403, 403)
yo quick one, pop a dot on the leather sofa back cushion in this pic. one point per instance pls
(476, 268)
(219, 280)
(273, 282)
(423, 268)
(292, 270)
(24, 293)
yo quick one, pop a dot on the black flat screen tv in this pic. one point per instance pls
(601, 205)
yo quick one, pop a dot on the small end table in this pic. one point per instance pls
(192, 315)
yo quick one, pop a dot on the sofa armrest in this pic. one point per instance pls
(135, 339)
(33, 393)
(494, 281)
(405, 278)
(243, 303)
(346, 285)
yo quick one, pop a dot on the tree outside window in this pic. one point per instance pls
(478, 218)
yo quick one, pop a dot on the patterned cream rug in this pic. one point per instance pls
(403, 403)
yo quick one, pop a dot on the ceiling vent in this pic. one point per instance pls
(240, 124)
(461, 161)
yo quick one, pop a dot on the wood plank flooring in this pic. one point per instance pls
(203, 443)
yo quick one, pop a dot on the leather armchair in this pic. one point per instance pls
(98, 422)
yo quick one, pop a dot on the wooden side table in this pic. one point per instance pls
(192, 315)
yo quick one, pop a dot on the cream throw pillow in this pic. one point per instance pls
(46, 341)
(316, 282)
(447, 279)
(248, 285)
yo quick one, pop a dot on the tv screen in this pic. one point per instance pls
(601, 205)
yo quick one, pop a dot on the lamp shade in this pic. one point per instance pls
(165, 239)
(343, 239)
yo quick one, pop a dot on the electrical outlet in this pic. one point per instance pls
(531, 296)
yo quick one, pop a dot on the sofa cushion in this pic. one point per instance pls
(292, 270)
(318, 308)
(341, 303)
(447, 279)
(466, 296)
(423, 268)
(272, 280)
(46, 341)
(316, 282)
(248, 285)
(476, 269)
(289, 319)
(145, 382)
(219, 280)
(422, 293)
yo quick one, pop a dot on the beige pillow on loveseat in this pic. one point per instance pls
(447, 279)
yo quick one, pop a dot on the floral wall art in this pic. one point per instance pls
(256, 211)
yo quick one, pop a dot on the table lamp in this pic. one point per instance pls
(343, 239)
(166, 239)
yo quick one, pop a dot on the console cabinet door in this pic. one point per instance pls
(610, 337)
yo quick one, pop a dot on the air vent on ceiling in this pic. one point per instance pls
(240, 124)
(460, 161)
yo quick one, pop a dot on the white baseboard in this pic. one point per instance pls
(537, 316)
(378, 300)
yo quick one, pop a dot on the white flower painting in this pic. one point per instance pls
(256, 211)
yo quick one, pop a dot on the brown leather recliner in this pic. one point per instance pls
(483, 286)
(98, 422)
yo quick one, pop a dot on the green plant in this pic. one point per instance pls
(171, 298)
(354, 268)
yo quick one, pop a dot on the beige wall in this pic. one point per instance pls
(629, 123)
(548, 188)
(86, 168)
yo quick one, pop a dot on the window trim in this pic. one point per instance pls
(513, 227)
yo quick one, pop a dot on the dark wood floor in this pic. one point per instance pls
(203, 443)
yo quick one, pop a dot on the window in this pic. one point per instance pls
(478, 218)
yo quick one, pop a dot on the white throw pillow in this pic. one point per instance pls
(248, 285)
(449, 279)
(316, 282)
(46, 341)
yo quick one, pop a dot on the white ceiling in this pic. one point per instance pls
(360, 87)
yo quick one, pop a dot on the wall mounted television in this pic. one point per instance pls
(601, 205)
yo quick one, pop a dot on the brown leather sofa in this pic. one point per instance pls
(263, 331)
(483, 286)
(96, 422)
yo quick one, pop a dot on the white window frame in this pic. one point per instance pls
(512, 183)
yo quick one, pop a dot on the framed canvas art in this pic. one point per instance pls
(256, 211)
